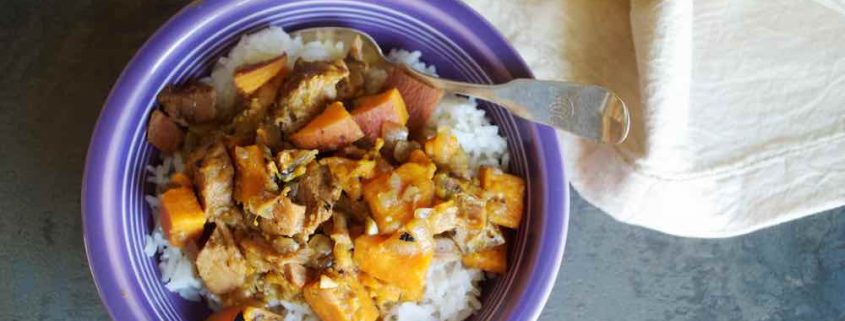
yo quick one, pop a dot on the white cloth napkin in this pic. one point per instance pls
(738, 106)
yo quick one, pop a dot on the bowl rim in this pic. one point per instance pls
(97, 182)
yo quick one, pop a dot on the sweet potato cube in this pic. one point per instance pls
(266, 95)
(392, 197)
(382, 293)
(419, 157)
(336, 297)
(382, 197)
(250, 78)
(401, 259)
(331, 129)
(420, 176)
(182, 217)
(349, 173)
(371, 112)
(507, 192)
(494, 259)
(445, 150)
(421, 99)
(180, 180)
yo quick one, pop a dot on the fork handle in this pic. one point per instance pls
(589, 111)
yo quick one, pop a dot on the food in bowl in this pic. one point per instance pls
(299, 183)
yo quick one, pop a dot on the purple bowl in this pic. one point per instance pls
(451, 36)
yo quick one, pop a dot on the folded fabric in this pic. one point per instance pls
(738, 106)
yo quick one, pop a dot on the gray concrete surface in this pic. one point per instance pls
(59, 59)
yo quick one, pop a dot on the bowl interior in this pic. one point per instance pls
(450, 36)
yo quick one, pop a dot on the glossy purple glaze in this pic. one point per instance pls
(450, 35)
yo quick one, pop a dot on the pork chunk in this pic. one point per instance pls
(189, 104)
(354, 83)
(296, 274)
(163, 133)
(287, 219)
(215, 180)
(472, 240)
(318, 193)
(306, 91)
(220, 264)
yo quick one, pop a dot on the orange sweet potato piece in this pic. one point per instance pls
(445, 150)
(421, 99)
(382, 293)
(494, 259)
(507, 193)
(419, 157)
(401, 259)
(250, 78)
(336, 297)
(392, 197)
(163, 133)
(371, 112)
(331, 129)
(180, 180)
(348, 173)
(182, 217)
(382, 197)
(267, 93)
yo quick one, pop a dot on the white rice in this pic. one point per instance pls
(452, 291)
(412, 59)
(177, 270)
(479, 138)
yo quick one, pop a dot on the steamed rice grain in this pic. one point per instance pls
(478, 137)
(452, 293)
(411, 59)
